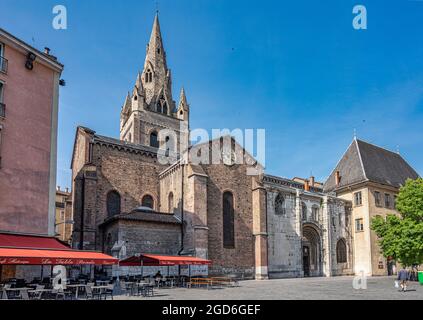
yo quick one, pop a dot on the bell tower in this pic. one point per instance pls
(150, 107)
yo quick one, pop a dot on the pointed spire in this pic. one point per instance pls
(138, 83)
(155, 46)
(139, 89)
(183, 98)
(127, 104)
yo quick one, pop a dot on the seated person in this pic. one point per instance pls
(158, 276)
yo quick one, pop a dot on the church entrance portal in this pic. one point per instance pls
(312, 257)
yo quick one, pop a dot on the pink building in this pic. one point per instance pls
(29, 95)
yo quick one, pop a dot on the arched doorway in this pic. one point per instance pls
(311, 251)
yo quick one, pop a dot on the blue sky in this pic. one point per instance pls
(295, 68)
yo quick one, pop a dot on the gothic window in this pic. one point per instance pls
(341, 251)
(165, 107)
(154, 141)
(315, 213)
(158, 50)
(113, 203)
(159, 107)
(304, 211)
(280, 204)
(148, 201)
(170, 203)
(228, 221)
(148, 76)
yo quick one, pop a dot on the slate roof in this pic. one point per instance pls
(366, 162)
(146, 216)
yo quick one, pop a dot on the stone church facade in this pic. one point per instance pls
(127, 202)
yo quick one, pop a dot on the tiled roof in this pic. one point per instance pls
(366, 162)
(147, 216)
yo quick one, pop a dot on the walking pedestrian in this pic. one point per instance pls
(403, 276)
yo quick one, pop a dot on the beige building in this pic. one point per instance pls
(63, 219)
(369, 177)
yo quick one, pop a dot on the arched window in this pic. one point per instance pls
(154, 141)
(170, 203)
(280, 204)
(304, 211)
(148, 76)
(228, 221)
(113, 203)
(165, 107)
(341, 251)
(148, 201)
(159, 107)
(315, 212)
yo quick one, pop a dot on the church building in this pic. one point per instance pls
(126, 201)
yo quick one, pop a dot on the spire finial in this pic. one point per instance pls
(157, 7)
(398, 149)
(355, 134)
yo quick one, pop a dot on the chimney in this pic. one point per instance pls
(337, 178)
(306, 185)
(47, 51)
(58, 188)
(312, 181)
(67, 190)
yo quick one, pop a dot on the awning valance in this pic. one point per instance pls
(53, 257)
(161, 260)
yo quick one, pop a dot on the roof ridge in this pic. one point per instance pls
(361, 159)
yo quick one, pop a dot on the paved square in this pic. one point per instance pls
(295, 289)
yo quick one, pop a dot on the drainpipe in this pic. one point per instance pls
(81, 238)
(182, 211)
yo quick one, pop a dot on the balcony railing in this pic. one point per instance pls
(2, 110)
(3, 65)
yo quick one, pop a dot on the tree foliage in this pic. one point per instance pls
(401, 237)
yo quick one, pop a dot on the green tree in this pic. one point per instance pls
(401, 237)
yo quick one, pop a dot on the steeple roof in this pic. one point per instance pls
(155, 47)
(183, 98)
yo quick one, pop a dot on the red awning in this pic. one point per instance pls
(53, 257)
(39, 250)
(31, 241)
(159, 260)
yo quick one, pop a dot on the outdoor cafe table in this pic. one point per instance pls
(77, 286)
(18, 289)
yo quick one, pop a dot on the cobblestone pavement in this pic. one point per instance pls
(295, 289)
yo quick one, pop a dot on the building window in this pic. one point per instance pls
(3, 61)
(2, 106)
(359, 225)
(154, 141)
(341, 251)
(159, 107)
(165, 107)
(148, 76)
(315, 213)
(280, 205)
(387, 200)
(377, 199)
(170, 203)
(148, 201)
(358, 200)
(228, 221)
(304, 211)
(395, 201)
(113, 203)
